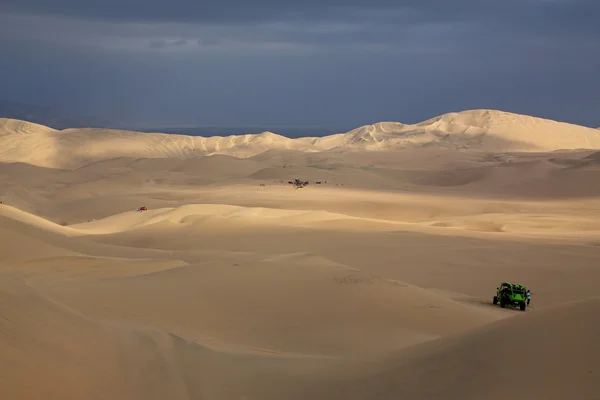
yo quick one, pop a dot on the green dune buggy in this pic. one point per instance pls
(511, 294)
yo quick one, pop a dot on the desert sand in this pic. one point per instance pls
(375, 283)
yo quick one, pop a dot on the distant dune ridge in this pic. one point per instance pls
(49, 116)
(489, 130)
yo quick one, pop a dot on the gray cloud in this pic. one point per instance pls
(158, 44)
(224, 11)
(312, 61)
(161, 43)
(316, 21)
(208, 42)
(527, 14)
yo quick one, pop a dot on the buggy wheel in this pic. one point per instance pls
(502, 302)
(495, 301)
(523, 305)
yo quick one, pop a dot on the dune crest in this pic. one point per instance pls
(489, 130)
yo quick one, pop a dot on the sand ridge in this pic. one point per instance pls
(492, 130)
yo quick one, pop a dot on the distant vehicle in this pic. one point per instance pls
(511, 294)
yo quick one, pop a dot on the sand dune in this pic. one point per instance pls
(182, 329)
(514, 353)
(490, 130)
(70, 356)
(375, 283)
(60, 348)
(269, 314)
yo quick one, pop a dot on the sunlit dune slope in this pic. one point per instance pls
(473, 129)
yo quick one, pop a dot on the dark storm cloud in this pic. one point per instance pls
(220, 11)
(429, 25)
(574, 13)
(303, 61)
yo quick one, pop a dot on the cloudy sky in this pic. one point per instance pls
(302, 62)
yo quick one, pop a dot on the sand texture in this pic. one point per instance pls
(375, 283)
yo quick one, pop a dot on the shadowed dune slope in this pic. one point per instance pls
(52, 352)
(549, 354)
